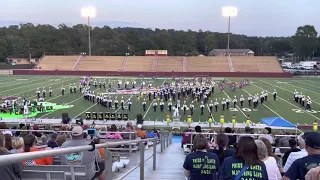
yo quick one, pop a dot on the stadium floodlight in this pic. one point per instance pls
(89, 12)
(229, 12)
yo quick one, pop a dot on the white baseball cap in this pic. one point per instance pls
(139, 126)
(77, 131)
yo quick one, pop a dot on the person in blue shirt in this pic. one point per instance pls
(300, 167)
(222, 150)
(245, 164)
(150, 133)
(201, 165)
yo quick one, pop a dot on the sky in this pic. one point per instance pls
(255, 17)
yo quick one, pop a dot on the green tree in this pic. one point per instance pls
(305, 41)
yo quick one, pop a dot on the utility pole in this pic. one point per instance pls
(29, 50)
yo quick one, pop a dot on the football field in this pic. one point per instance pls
(75, 105)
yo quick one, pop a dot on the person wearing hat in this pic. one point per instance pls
(52, 142)
(141, 133)
(91, 159)
(300, 167)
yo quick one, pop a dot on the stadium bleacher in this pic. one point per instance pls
(208, 64)
(256, 64)
(57, 62)
(139, 63)
(101, 63)
(170, 63)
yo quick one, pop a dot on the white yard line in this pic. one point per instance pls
(287, 101)
(236, 105)
(288, 90)
(264, 105)
(43, 86)
(145, 114)
(123, 104)
(304, 88)
(24, 82)
(45, 115)
(307, 84)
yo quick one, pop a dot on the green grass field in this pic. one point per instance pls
(284, 106)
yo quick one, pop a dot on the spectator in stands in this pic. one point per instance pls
(129, 128)
(3, 125)
(296, 155)
(201, 165)
(300, 167)
(8, 139)
(24, 133)
(113, 134)
(36, 133)
(91, 159)
(150, 133)
(313, 174)
(293, 148)
(140, 132)
(9, 171)
(222, 149)
(198, 129)
(65, 128)
(52, 143)
(245, 164)
(29, 146)
(103, 132)
(269, 162)
(43, 141)
(17, 145)
(59, 141)
(232, 139)
(101, 150)
(284, 142)
(270, 153)
(266, 135)
(186, 137)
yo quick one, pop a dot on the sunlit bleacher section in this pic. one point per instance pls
(208, 64)
(57, 62)
(256, 64)
(100, 63)
(170, 63)
(139, 63)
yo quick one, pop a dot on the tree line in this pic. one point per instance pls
(19, 40)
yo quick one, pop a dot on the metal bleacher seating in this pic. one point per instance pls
(70, 172)
(40, 175)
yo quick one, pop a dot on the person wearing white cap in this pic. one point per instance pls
(140, 132)
(91, 159)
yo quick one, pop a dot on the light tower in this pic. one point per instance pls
(229, 12)
(88, 12)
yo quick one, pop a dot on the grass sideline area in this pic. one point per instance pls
(284, 106)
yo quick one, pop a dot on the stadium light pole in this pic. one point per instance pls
(89, 12)
(229, 12)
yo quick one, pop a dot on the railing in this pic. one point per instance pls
(185, 64)
(230, 64)
(164, 135)
(77, 62)
(165, 141)
(124, 63)
(155, 63)
(42, 56)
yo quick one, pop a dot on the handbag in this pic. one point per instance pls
(241, 172)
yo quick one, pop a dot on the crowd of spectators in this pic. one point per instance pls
(252, 157)
(17, 141)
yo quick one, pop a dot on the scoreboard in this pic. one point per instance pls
(156, 52)
(106, 116)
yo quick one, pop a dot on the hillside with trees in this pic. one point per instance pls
(16, 40)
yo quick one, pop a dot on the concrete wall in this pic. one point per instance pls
(160, 74)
